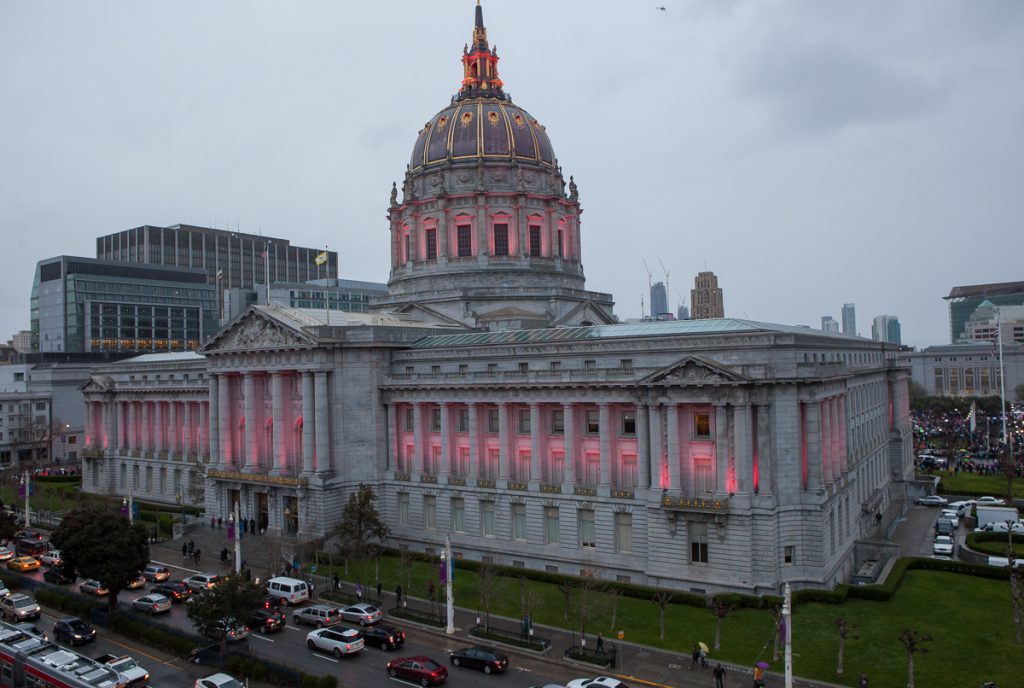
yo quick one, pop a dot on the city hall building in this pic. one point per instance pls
(492, 397)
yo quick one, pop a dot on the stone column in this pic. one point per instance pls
(308, 423)
(672, 411)
(278, 420)
(503, 472)
(446, 443)
(172, 427)
(721, 449)
(764, 458)
(843, 458)
(190, 433)
(215, 456)
(323, 422)
(225, 429)
(657, 450)
(643, 447)
(474, 442)
(535, 455)
(110, 414)
(744, 449)
(147, 427)
(251, 460)
(122, 426)
(836, 425)
(418, 465)
(604, 421)
(812, 439)
(826, 442)
(133, 426)
(569, 437)
(392, 438)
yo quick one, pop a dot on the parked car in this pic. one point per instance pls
(175, 590)
(18, 607)
(951, 515)
(598, 682)
(337, 641)
(423, 670)
(318, 615)
(931, 500)
(202, 581)
(153, 603)
(132, 671)
(363, 614)
(23, 564)
(486, 659)
(990, 501)
(6, 553)
(93, 587)
(961, 507)
(218, 681)
(73, 631)
(383, 636)
(231, 631)
(58, 576)
(135, 583)
(944, 526)
(51, 558)
(943, 545)
(156, 573)
(266, 620)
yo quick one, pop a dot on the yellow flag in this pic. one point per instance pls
(321, 258)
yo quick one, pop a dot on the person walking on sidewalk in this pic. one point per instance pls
(184, 550)
(197, 555)
(359, 591)
(380, 591)
(398, 595)
(719, 674)
(336, 582)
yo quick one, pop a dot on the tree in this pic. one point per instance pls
(8, 526)
(361, 527)
(224, 606)
(845, 630)
(913, 642)
(486, 578)
(663, 599)
(614, 594)
(721, 609)
(99, 543)
(777, 638)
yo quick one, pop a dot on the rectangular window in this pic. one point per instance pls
(501, 240)
(557, 422)
(431, 240)
(519, 522)
(430, 512)
(627, 477)
(492, 421)
(702, 475)
(561, 243)
(555, 366)
(551, 525)
(629, 423)
(623, 533)
(524, 367)
(524, 422)
(939, 380)
(465, 241)
(788, 554)
(463, 422)
(702, 425)
(487, 518)
(592, 424)
(408, 416)
(458, 515)
(534, 240)
(585, 528)
(699, 543)
(435, 420)
(403, 508)
(589, 364)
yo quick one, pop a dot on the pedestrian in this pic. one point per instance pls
(359, 591)
(184, 550)
(198, 554)
(213, 522)
(380, 591)
(336, 582)
(224, 554)
(220, 522)
(694, 657)
(191, 547)
(863, 680)
(600, 644)
(430, 591)
(252, 526)
(703, 658)
(398, 594)
(758, 677)
(242, 525)
(719, 674)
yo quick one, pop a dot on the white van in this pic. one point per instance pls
(290, 590)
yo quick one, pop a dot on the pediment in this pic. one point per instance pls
(429, 315)
(694, 371)
(98, 384)
(254, 330)
(586, 312)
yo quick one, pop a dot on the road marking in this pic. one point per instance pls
(263, 638)
(402, 680)
(329, 659)
(519, 668)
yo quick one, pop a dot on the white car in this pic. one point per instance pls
(6, 553)
(337, 641)
(951, 515)
(931, 500)
(990, 501)
(218, 681)
(50, 558)
(598, 682)
(962, 507)
(943, 545)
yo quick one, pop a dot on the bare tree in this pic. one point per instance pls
(913, 642)
(566, 589)
(614, 594)
(845, 630)
(777, 613)
(721, 609)
(663, 599)
(586, 600)
(487, 575)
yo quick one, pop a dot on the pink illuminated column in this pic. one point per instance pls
(418, 451)
(843, 458)
(393, 438)
(643, 445)
(672, 437)
(308, 423)
(90, 439)
(656, 449)
(188, 432)
(535, 451)
(225, 430)
(133, 424)
(446, 444)
(604, 442)
(826, 441)
(172, 427)
(474, 441)
(250, 451)
(721, 448)
(214, 448)
(569, 440)
(744, 449)
(277, 409)
(146, 431)
(122, 426)
(503, 462)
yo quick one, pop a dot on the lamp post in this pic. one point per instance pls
(238, 543)
(448, 565)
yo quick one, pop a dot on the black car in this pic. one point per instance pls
(272, 602)
(57, 576)
(383, 636)
(266, 620)
(174, 590)
(73, 631)
(487, 659)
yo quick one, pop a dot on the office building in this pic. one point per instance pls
(886, 328)
(829, 324)
(965, 299)
(659, 300)
(683, 313)
(966, 370)
(706, 297)
(849, 319)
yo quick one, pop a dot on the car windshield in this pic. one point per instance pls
(24, 602)
(78, 626)
(431, 665)
(232, 683)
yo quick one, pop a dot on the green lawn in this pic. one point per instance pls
(969, 483)
(968, 617)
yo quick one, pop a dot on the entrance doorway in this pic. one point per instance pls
(262, 511)
(234, 499)
(291, 515)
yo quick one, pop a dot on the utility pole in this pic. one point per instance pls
(787, 611)
(28, 490)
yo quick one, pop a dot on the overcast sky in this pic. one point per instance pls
(809, 153)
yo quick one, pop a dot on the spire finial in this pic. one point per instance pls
(480, 64)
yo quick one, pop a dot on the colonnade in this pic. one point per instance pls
(825, 449)
(167, 426)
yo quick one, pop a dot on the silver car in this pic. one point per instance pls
(318, 615)
(152, 603)
(363, 614)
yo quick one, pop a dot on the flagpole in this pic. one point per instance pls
(266, 257)
(1002, 374)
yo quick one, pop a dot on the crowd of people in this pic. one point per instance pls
(949, 436)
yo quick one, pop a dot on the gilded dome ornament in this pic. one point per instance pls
(466, 118)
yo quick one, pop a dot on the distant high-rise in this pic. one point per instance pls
(706, 297)
(829, 324)
(849, 319)
(964, 300)
(659, 299)
(886, 328)
(683, 313)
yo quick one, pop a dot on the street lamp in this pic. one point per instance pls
(447, 566)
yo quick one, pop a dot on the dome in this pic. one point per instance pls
(482, 129)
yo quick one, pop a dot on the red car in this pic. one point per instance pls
(423, 670)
